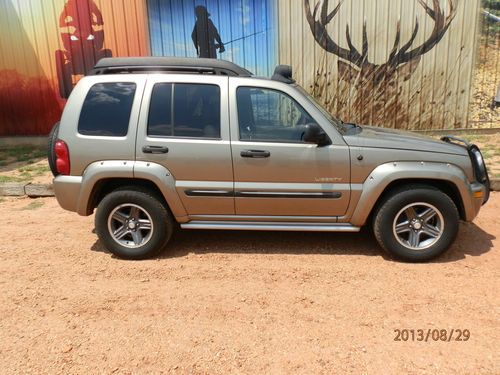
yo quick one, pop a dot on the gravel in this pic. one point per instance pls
(240, 302)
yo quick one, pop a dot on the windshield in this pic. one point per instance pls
(335, 122)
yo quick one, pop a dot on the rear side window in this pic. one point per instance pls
(160, 110)
(106, 109)
(184, 110)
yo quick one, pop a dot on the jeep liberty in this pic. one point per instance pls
(153, 143)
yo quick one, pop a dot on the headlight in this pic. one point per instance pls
(479, 165)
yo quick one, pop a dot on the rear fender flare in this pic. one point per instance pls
(110, 169)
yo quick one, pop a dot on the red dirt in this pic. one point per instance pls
(240, 302)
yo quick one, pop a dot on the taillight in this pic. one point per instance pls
(62, 157)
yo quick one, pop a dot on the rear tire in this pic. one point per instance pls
(416, 223)
(51, 155)
(133, 223)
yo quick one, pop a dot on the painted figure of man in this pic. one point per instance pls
(205, 35)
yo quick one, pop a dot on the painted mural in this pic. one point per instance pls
(241, 31)
(375, 81)
(82, 35)
(398, 63)
(47, 45)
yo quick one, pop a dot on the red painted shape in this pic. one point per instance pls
(28, 105)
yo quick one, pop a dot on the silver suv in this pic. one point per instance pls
(153, 143)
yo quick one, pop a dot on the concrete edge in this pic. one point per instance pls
(40, 141)
(15, 189)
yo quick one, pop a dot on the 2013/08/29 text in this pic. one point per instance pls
(432, 334)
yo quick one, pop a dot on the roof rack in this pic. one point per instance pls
(116, 65)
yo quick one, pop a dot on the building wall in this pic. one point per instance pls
(39, 61)
(431, 91)
(32, 44)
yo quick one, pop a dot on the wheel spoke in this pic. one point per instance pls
(414, 238)
(144, 224)
(431, 230)
(418, 226)
(121, 232)
(137, 237)
(134, 212)
(120, 216)
(130, 225)
(427, 214)
(403, 227)
(410, 213)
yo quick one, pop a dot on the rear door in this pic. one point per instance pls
(276, 173)
(184, 126)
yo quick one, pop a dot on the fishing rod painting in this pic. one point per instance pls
(244, 32)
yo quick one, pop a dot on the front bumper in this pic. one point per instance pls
(479, 195)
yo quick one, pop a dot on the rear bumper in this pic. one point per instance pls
(67, 191)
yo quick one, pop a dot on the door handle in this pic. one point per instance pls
(255, 154)
(155, 150)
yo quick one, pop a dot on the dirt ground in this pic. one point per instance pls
(240, 302)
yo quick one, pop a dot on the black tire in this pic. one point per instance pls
(51, 155)
(151, 209)
(436, 237)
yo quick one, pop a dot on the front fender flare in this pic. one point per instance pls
(384, 174)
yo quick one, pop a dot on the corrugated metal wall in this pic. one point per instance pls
(247, 30)
(430, 90)
(40, 60)
(484, 109)
(32, 44)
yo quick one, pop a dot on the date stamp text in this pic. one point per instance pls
(432, 334)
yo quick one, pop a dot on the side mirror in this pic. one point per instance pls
(314, 134)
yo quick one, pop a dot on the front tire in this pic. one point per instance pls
(416, 223)
(133, 223)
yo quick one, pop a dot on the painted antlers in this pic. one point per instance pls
(398, 55)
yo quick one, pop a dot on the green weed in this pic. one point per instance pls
(34, 205)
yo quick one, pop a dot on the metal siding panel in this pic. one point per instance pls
(418, 96)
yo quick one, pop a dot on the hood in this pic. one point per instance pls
(371, 136)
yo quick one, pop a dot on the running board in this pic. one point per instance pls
(241, 225)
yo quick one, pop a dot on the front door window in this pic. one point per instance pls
(266, 115)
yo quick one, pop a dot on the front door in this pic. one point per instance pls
(276, 173)
(184, 126)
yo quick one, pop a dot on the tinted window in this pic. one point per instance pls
(160, 110)
(270, 115)
(194, 111)
(106, 109)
